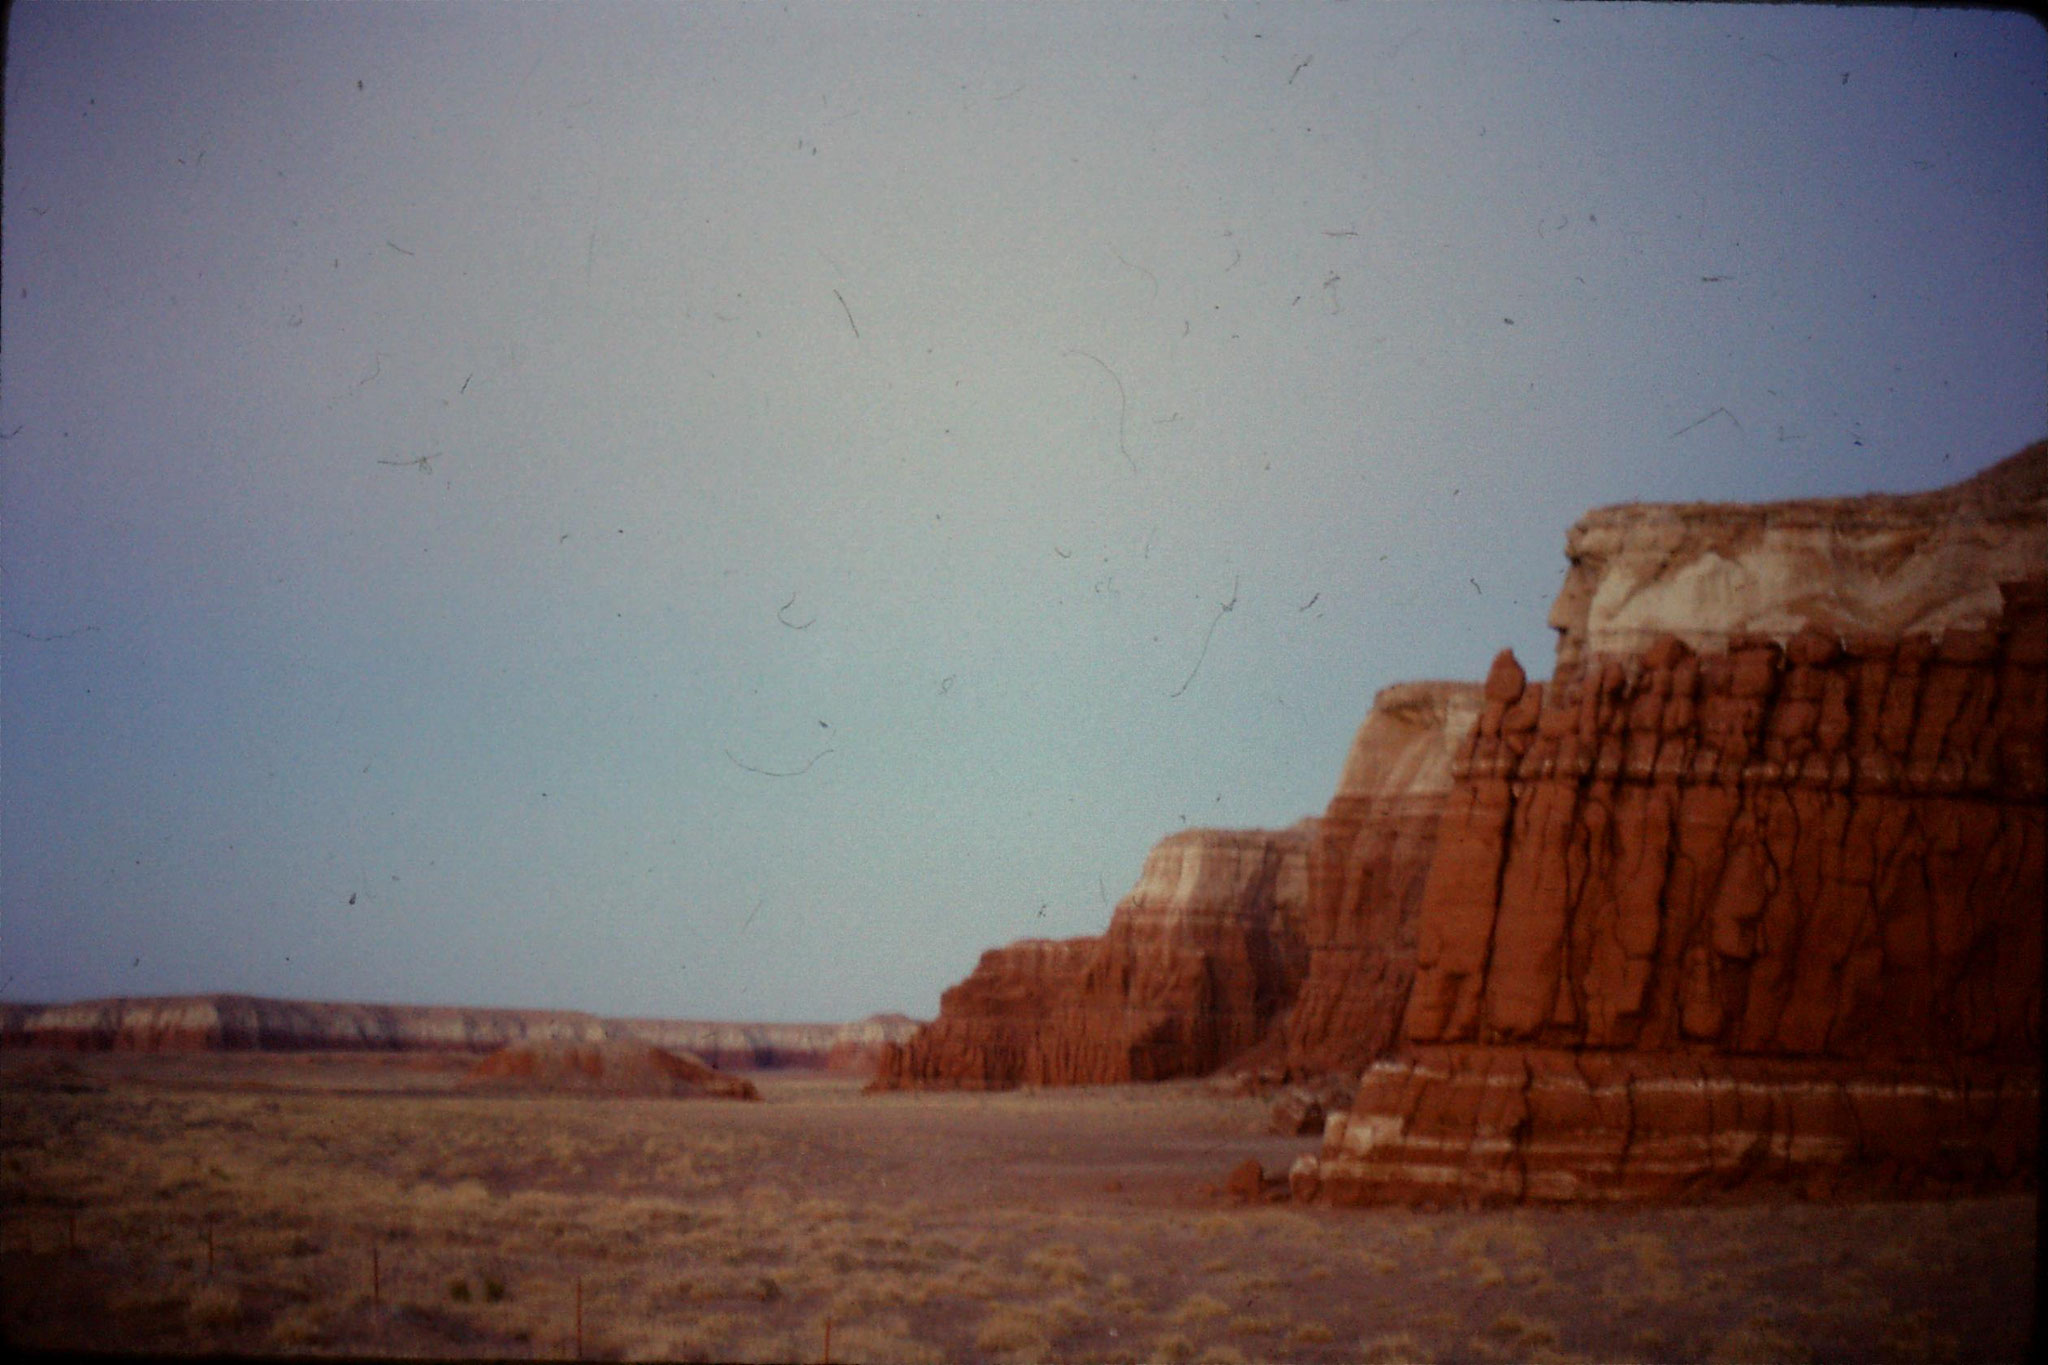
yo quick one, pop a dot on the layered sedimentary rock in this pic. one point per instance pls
(1366, 869)
(1199, 960)
(851, 1048)
(991, 1028)
(204, 1023)
(1512, 1124)
(614, 1067)
(1760, 900)
(1886, 565)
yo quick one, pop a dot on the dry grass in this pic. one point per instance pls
(1758, 1344)
(1397, 1348)
(920, 1228)
(1198, 1308)
(1017, 1332)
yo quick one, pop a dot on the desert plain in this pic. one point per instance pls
(367, 1204)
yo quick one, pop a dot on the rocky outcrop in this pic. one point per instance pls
(1512, 1124)
(1886, 565)
(1824, 849)
(617, 1066)
(990, 1033)
(849, 1048)
(1366, 869)
(205, 1023)
(1761, 900)
(1199, 961)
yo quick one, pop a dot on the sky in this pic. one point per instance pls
(729, 512)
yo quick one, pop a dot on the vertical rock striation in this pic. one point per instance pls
(1759, 897)
(990, 1031)
(1199, 959)
(1366, 871)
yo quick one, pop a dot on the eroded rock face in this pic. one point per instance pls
(990, 1033)
(1881, 565)
(1366, 870)
(1199, 960)
(1801, 874)
(1821, 850)
(1512, 1124)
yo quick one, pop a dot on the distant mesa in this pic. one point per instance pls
(850, 1049)
(245, 1023)
(620, 1066)
(1747, 897)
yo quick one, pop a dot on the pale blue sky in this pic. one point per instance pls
(896, 394)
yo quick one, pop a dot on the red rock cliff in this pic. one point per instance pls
(1199, 960)
(1366, 870)
(990, 1031)
(1772, 909)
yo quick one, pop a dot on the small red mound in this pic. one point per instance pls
(613, 1067)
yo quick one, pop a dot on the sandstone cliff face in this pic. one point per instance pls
(1885, 565)
(1512, 1124)
(1694, 918)
(1366, 869)
(1199, 960)
(990, 1031)
(1820, 850)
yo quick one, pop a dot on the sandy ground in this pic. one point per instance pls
(362, 1205)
